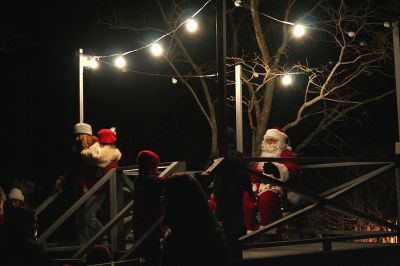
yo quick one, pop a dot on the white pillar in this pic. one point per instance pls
(396, 51)
(239, 118)
(81, 64)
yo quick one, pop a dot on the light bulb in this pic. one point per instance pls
(156, 49)
(174, 81)
(120, 62)
(351, 34)
(93, 63)
(191, 25)
(287, 80)
(299, 30)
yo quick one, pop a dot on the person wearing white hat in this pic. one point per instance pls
(268, 202)
(70, 181)
(16, 197)
(83, 139)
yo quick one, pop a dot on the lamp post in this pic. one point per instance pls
(82, 60)
(238, 101)
(396, 53)
(88, 62)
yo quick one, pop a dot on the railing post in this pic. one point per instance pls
(113, 212)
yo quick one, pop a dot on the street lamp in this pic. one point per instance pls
(88, 62)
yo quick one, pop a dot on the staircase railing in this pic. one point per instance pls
(117, 178)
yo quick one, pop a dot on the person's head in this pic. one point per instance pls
(274, 142)
(82, 129)
(147, 161)
(107, 136)
(186, 205)
(98, 255)
(16, 198)
(82, 132)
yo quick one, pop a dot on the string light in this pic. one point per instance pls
(93, 63)
(210, 76)
(287, 80)
(160, 38)
(237, 3)
(120, 62)
(191, 25)
(299, 30)
(156, 49)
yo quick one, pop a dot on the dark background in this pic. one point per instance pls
(39, 103)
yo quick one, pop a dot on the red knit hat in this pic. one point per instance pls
(147, 160)
(107, 136)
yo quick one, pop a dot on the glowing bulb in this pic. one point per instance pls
(351, 34)
(191, 25)
(156, 49)
(174, 81)
(255, 74)
(237, 3)
(93, 63)
(120, 62)
(287, 80)
(299, 30)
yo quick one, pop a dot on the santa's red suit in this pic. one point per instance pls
(267, 196)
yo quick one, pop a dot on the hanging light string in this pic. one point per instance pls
(161, 75)
(239, 3)
(158, 39)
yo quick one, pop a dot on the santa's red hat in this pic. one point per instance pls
(276, 133)
(107, 136)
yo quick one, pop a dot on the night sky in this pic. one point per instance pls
(39, 104)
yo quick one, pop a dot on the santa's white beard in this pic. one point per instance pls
(271, 150)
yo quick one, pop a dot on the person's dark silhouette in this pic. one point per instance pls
(195, 238)
(18, 243)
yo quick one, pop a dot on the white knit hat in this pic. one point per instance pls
(16, 193)
(83, 128)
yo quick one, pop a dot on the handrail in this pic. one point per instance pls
(330, 192)
(137, 243)
(323, 201)
(105, 228)
(374, 234)
(75, 206)
(381, 160)
(116, 215)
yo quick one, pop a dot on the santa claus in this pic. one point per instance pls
(267, 199)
